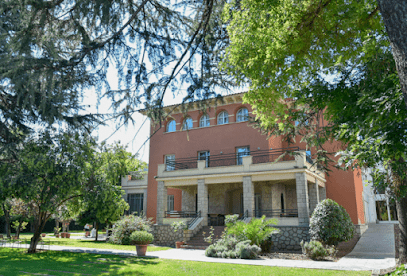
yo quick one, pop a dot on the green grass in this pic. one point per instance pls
(16, 262)
(91, 244)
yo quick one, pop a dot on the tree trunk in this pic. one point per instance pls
(97, 230)
(39, 224)
(7, 217)
(394, 14)
(401, 205)
(19, 228)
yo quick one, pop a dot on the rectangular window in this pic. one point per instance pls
(170, 203)
(240, 152)
(204, 155)
(170, 162)
(136, 202)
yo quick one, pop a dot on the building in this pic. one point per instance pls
(214, 164)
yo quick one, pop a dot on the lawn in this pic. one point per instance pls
(91, 243)
(16, 262)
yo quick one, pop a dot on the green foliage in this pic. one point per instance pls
(247, 250)
(17, 224)
(141, 237)
(330, 223)
(231, 219)
(179, 225)
(316, 251)
(230, 247)
(127, 225)
(257, 230)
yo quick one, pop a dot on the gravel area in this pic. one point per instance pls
(343, 248)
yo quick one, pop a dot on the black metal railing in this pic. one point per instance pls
(308, 158)
(192, 221)
(180, 214)
(244, 216)
(216, 220)
(276, 213)
(231, 159)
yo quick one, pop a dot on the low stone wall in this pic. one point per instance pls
(289, 238)
(165, 236)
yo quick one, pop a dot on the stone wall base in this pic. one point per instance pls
(165, 236)
(361, 228)
(289, 238)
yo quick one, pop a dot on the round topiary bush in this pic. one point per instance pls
(330, 223)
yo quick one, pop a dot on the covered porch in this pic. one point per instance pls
(287, 191)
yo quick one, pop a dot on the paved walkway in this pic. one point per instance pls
(374, 251)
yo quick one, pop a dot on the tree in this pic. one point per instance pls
(49, 174)
(282, 44)
(285, 50)
(103, 202)
(20, 211)
(52, 51)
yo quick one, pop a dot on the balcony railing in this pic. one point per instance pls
(231, 159)
(180, 214)
(276, 213)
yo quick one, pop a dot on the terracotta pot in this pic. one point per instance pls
(178, 244)
(68, 235)
(43, 235)
(56, 235)
(141, 249)
(63, 235)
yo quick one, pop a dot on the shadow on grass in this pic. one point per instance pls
(17, 261)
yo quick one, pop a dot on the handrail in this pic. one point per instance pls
(192, 221)
(229, 159)
(276, 213)
(245, 215)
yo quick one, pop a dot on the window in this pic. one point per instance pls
(223, 118)
(170, 162)
(204, 155)
(242, 115)
(171, 126)
(188, 124)
(136, 203)
(204, 121)
(240, 152)
(170, 203)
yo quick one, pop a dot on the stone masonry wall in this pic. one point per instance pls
(165, 236)
(289, 238)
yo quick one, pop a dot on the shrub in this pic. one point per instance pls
(179, 225)
(127, 225)
(257, 230)
(316, 250)
(231, 219)
(141, 237)
(330, 223)
(247, 251)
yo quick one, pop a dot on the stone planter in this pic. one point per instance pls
(141, 249)
(178, 244)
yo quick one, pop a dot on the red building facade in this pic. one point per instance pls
(216, 164)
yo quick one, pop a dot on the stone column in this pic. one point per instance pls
(161, 201)
(322, 193)
(313, 196)
(203, 200)
(302, 199)
(248, 195)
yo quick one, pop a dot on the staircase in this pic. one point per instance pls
(198, 242)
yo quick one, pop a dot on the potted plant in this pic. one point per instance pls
(179, 225)
(141, 239)
(63, 234)
(56, 231)
(67, 235)
(43, 235)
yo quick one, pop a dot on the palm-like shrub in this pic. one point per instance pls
(257, 230)
(330, 223)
